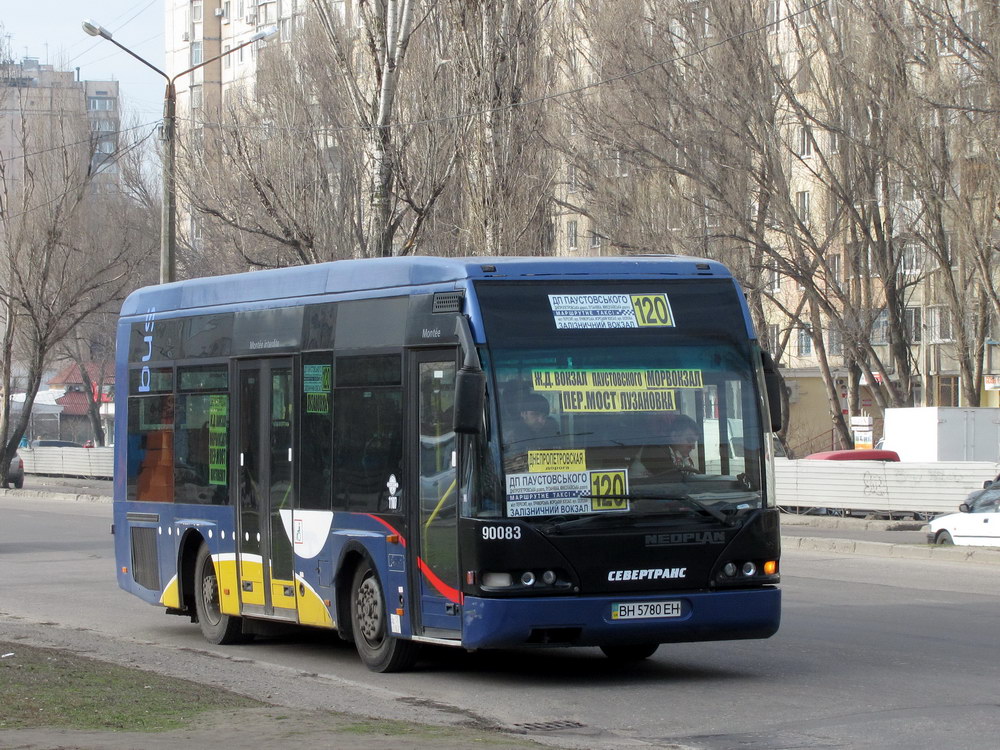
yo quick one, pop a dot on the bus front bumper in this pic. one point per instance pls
(608, 620)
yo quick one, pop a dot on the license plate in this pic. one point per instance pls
(645, 610)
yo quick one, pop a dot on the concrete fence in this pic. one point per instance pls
(881, 486)
(71, 462)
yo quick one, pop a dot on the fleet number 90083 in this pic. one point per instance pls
(501, 533)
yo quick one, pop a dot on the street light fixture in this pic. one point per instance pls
(168, 217)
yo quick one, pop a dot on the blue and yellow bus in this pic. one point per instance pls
(478, 452)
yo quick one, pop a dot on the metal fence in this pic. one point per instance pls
(879, 486)
(98, 463)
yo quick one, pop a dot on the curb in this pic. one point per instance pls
(55, 496)
(838, 522)
(978, 555)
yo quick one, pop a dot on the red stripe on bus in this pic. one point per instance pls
(402, 539)
(448, 592)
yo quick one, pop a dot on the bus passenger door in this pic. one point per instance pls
(265, 471)
(435, 555)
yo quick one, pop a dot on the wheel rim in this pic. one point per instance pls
(210, 598)
(369, 608)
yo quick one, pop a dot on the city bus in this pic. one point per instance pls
(350, 446)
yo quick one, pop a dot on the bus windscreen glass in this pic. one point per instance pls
(623, 421)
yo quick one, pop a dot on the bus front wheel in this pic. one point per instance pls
(378, 649)
(215, 626)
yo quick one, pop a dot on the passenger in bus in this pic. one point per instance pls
(535, 425)
(678, 454)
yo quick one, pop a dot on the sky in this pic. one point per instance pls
(51, 31)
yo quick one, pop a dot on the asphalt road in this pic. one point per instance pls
(871, 653)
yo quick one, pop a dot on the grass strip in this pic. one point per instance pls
(41, 687)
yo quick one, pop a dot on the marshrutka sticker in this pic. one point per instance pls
(611, 310)
(553, 489)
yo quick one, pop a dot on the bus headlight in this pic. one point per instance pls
(743, 572)
(497, 580)
(548, 581)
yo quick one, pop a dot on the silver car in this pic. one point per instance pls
(15, 475)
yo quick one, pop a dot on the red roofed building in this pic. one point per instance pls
(75, 424)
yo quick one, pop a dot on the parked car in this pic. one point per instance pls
(855, 455)
(15, 475)
(976, 524)
(55, 444)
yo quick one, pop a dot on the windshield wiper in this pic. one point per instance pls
(690, 502)
(684, 500)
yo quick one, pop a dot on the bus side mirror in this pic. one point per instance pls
(772, 382)
(470, 383)
(470, 399)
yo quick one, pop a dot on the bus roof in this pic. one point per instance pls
(297, 282)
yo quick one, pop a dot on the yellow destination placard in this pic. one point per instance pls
(652, 310)
(608, 490)
(608, 400)
(550, 461)
(619, 380)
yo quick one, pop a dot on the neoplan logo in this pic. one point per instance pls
(686, 538)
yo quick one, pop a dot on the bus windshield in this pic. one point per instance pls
(628, 429)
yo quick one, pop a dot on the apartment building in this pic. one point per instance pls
(42, 107)
(197, 31)
(890, 185)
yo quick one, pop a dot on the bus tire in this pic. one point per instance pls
(378, 649)
(630, 652)
(215, 626)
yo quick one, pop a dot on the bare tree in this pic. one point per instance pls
(503, 197)
(69, 245)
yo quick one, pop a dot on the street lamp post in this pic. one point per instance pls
(168, 216)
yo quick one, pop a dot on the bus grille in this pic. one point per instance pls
(145, 563)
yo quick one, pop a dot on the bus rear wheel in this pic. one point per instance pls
(378, 649)
(215, 626)
(630, 652)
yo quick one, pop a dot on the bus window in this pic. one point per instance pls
(201, 446)
(316, 466)
(201, 436)
(367, 432)
(151, 448)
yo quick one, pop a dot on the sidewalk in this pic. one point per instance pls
(850, 541)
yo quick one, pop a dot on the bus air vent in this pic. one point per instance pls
(145, 562)
(448, 302)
